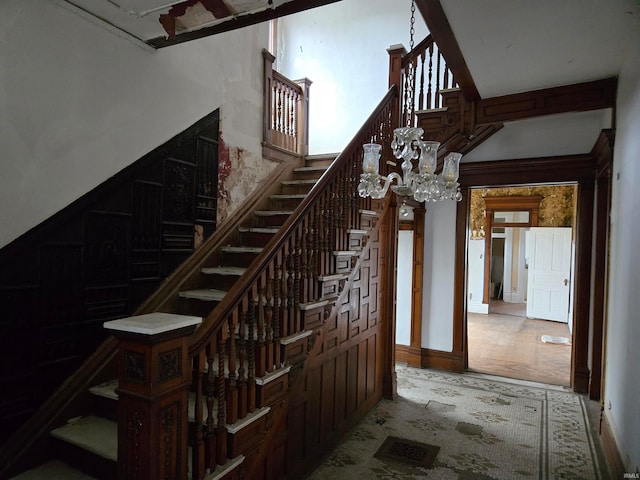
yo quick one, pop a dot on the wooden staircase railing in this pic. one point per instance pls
(263, 309)
(426, 74)
(286, 119)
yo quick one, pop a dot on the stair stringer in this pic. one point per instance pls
(317, 354)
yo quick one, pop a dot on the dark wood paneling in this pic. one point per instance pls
(574, 98)
(344, 380)
(97, 260)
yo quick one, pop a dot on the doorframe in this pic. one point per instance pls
(578, 169)
(513, 203)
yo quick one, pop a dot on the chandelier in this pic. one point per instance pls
(424, 185)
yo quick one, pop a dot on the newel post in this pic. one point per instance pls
(303, 117)
(396, 52)
(268, 96)
(153, 385)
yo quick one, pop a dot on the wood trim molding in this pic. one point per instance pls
(575, 168)
(568, 98)
(402, 353)
(610, 448)
(447, 361)
(416, 297)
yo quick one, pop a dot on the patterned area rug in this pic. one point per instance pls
(484, 429)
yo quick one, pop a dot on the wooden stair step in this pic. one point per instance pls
(53, 470)
(230, 271)
(241, 249)
(153, 323)
(272, 213)
(106, 389)
(269, 230)
(288, 196)
(94, 434)
(223, 471)
(312, 168)
(311, 181)
(207, 295)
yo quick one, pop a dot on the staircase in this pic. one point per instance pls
(86, 446)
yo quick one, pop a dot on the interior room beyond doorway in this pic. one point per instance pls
(501, 339)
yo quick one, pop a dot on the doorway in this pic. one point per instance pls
(502, 340)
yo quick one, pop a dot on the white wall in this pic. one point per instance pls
(78, 103)
(622, 383)
(346, 86)
(439, 252)
(475, 277)
(404, 274)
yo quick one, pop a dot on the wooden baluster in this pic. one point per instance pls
(279, 108)
(438, 99)
(232, 387)
(309, 259)
(431, 102)
(251, 352)
(297, 272)
(316, 249)
(198, 453)
(421, 105)
(211, 392)
(290, 327)
(271, 317)
(277, 312)
(242, 357)
(221, 431)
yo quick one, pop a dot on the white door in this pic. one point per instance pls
(549, 255)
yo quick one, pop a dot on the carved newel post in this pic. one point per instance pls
(153, 391)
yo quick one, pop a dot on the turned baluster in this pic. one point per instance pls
(289, 327)
(210, 392)
(262, 362)
(242, 356)
(438, 99)
(277, 313)
(232, 387)
(221, 431)
(198, 453)
(297, 275)
(251, 352)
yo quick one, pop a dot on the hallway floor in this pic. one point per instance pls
(507, 344)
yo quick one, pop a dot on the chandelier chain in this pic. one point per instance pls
(410, 72)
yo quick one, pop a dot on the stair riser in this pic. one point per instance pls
(255, 239)
(296, 189)
(284, 203)
(270, 220)
(240, 259)
(195, 307)
(83, 460)
(308, 175)
(219, 282)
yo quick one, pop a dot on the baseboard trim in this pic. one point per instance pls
(402, 353)
(610, 448)
(448, 361)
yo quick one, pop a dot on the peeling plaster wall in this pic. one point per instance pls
(78, 103)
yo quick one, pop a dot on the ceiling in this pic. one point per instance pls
(162, 23)
(511, 46)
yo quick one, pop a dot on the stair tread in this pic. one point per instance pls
(237, 271)
(266, 213)
(53, 470)
(206, 294)
(153, 323)
(241, 249)
(272, 230)
(284, 196)
(106, 389)
(313, 168)
(95, 434)
(300, 182)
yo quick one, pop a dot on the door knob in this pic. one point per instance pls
(566, 282)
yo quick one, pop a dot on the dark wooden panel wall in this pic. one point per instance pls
(97, 260)
(345, 380)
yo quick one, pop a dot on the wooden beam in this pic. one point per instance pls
(440, 29)
(568, 98)
(294, 6)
